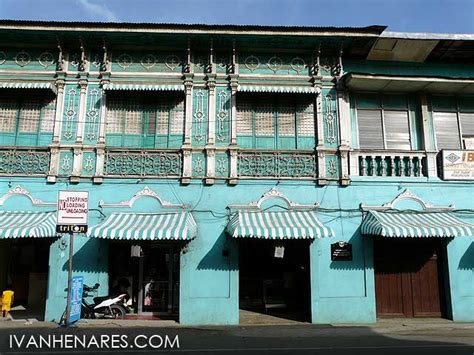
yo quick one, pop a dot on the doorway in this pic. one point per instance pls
(24, 264)
(149, 273)
(274, 279)
(409, 278)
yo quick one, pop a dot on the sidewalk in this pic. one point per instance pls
(393, 325)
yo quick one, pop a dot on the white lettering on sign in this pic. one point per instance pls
(73, 207)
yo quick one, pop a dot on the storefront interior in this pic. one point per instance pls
(148, 272)
(275, 278)
(24, 265)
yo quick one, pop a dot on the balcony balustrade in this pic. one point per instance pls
(389, 163)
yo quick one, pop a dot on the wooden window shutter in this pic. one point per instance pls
(447, 130)
(370, 129)
(397, 130)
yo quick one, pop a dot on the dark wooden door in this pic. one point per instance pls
(408, 277)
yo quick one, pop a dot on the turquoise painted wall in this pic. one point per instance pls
(343, 292)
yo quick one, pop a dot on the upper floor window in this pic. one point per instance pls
(26, 118)
(145, 121)
(275, 121)
(385, 122)
(453, 122)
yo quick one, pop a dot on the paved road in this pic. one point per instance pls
(305, 339)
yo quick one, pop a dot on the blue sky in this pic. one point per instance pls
(446, 16)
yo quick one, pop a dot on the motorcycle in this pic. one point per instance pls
(104, 307)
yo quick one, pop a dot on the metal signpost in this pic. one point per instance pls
(73, 208)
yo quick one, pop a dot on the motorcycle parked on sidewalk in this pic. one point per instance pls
(104, 307)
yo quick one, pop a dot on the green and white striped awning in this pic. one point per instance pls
(279, 88)
(27, 85)
(414, 224)
(146, 226)
(16, 224)
(278, 225)
(143, 87)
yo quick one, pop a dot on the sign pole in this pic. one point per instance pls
(73, 208)
(69, 279)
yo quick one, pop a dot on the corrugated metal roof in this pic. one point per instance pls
(28, 24)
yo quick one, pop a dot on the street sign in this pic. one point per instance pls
(76, 298)
(73, 208)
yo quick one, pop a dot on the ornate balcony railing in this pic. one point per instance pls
(143, 163)
(276, 164)
(388, 163)
(24, 161)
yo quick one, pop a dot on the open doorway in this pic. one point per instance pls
(275, 278)
(149, 273)
(24, 264)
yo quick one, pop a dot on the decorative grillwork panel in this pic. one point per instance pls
(285, 165)
(24, 162)
(142, 163)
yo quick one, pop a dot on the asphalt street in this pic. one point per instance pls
(302, 339)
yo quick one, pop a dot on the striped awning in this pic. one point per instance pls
(414, 224)
(278, 225)
(279, 88)
(27, 85)
(19, 224)
(143, 87)
(146, 226)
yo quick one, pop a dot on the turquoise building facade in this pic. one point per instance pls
(210, 120)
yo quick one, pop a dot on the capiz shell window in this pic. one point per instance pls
(278, 121)
(27, 117)
(145, 120)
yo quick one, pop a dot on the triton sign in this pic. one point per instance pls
(458, 164)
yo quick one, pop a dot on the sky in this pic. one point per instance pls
(440, 16)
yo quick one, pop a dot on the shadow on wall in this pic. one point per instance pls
(222, 255)
(359, 253)
(88, 258)
(467, 260)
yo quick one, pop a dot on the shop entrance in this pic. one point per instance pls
(409, 277)
(274, 278)
(24, 264)
(149, 273)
